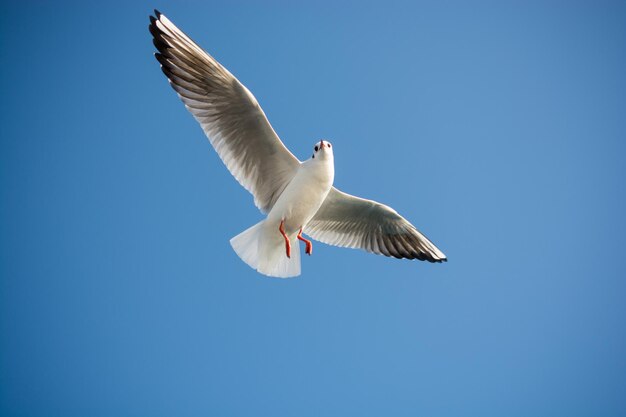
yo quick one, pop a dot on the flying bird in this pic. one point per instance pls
(297, 196)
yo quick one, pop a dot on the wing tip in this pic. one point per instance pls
(430, 258)
(435, 258)
(155, 18)
(154, 28)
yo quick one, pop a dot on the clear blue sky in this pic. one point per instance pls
(498, 128)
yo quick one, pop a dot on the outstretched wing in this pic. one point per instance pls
(228, 113)
(353, 222)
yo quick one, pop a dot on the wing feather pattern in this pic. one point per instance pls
(349, 221)
(228, 113)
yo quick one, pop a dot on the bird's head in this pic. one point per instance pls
(323, 150)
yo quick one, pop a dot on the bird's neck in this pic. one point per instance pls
(323, 170)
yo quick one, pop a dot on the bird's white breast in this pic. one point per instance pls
(304, 195)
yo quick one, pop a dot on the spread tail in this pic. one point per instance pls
(263, 248)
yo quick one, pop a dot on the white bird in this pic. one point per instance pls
(296, 196)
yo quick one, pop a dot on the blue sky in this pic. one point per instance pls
(497, 128)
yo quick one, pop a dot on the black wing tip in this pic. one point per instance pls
(424, 256)
(153, 28)
(432, 259)
(420, 256)
(154, 19)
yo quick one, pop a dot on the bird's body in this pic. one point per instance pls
(305, 193)
(295, 207)
(296, 196)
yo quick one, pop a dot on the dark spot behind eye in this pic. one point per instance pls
(313, 156)
(316, 148)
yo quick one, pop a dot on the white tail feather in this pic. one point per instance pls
(263, 249)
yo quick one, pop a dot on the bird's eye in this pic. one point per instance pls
(316, 148)
(329, 145)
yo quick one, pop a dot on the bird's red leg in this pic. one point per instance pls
(309, 246)
(281, 228)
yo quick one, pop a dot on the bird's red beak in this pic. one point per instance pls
(322, 143)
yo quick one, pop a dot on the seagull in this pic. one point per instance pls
(297, 196)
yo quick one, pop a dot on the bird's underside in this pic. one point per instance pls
(252, 151)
